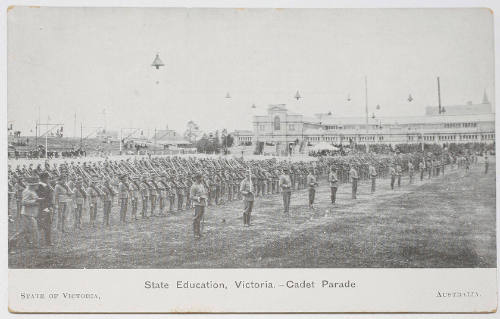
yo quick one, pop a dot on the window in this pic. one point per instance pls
(277, 123)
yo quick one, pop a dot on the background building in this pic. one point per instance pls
(281, 131)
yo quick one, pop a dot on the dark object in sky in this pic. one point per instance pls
(410, 98)
(253, 106)
(157, 62)
(297, 96)
(348, 97)
(228, 96)
(378, 107)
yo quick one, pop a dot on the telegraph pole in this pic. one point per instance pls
(366, 102)
(439, 96)
(121, 130)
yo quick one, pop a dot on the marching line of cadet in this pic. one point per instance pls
(77, 188)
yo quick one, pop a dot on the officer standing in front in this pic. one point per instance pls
(247, 190)
(373, 176)
(353, 174)
(286, 184)
(392, 172)
(421, 167)
(61, 193)
(411, 171)
(311, 184)
(332, 178)
(486, 164)
(198, 194)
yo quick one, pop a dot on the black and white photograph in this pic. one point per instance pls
(250, 138)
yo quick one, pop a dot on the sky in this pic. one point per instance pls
(68, 65)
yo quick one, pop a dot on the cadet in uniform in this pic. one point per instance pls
(152, 195)
(80, 196)
(61, 193)
(373, 176)
(410, 171)
(134, 197)
(353, 174)
(163, 195)
(430, 168)
(18, 190)
(285, 184)
(332, 178)
(44, 192)
(311, 183)
(399, 172)
(180, 193)
(486, 164)
(123, 191)
(247, 189)
(144, 197)
(421, 167)
(392, 172)
(29, 212)
(199, 197)
(171, 194)
(189, 183)
(93, 193)
(107, 200)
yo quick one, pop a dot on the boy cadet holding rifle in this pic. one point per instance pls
(80, 196)
(93, 193)
(123, 191)
(107, 196)
(45, 192)
(144, 197)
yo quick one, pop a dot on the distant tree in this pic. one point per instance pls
(209, 143)
(216, 143)
(192, 132)
(229, 140)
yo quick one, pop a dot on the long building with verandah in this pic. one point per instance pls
(282, 132)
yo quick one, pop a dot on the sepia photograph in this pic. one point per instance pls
(224, 138)
(213, 138)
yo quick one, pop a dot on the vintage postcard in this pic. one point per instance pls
(251, 160)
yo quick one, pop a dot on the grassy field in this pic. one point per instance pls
(443, 222)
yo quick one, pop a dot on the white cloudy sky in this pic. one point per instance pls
(83, 60)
